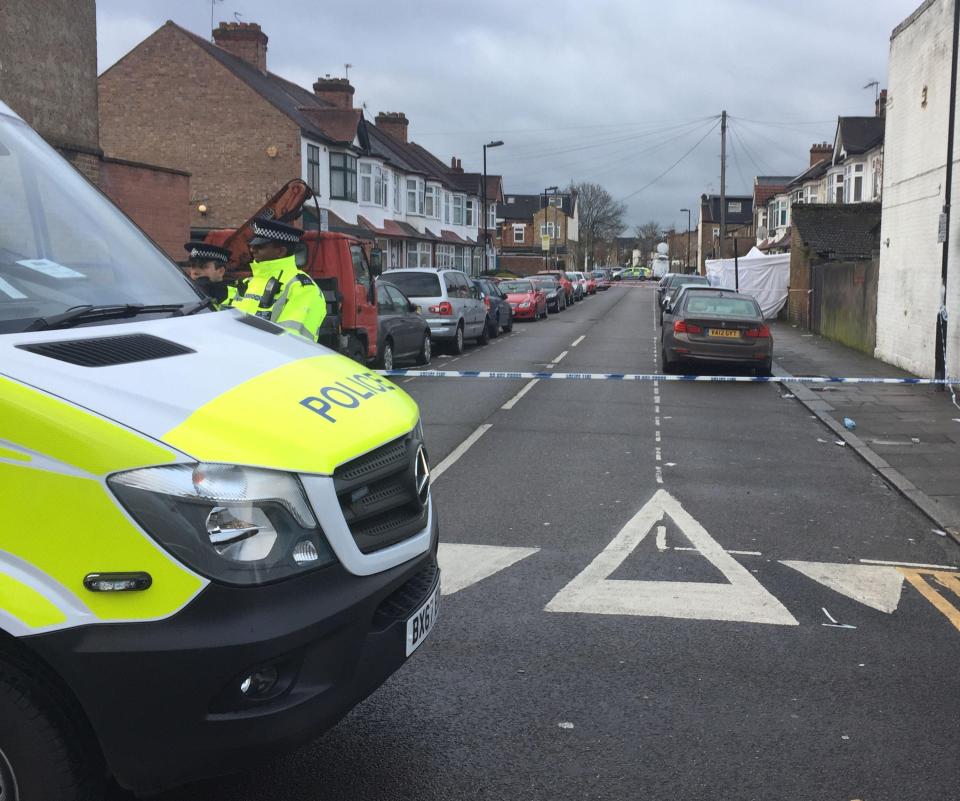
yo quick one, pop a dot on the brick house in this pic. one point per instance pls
(524, 221)
(243, 131)
(739, 219)
(58, 97)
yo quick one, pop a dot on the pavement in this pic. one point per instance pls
(651, 590)
(908, 434)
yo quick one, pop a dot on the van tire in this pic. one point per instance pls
(356, 350)
(456, 345)
(386, 357)
(46, 753)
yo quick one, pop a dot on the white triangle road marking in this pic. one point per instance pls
(873, 586)
(744, 599)
(463, 565)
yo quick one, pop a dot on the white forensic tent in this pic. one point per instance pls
(766, 278)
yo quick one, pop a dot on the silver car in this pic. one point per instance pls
(449, 303)
(718, 326)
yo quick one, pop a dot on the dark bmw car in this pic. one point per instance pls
(556, 297)
(401, 332)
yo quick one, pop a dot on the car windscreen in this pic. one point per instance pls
(546, 284)
(516, 287)
(64, 245)
(415, 285)
(742, 308)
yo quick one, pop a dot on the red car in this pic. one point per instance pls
(591, 283)
(526, 301)
(561, 277)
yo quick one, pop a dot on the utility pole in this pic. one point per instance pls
(687, 260)
(723, 180)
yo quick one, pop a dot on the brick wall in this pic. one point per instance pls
(48, 67)
(913, 194)
(155, 199)
(523, 264)
(798, 299)
(168, 102)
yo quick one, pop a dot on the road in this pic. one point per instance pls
(654, 590)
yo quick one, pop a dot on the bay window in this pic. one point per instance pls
(415, 196)
(470, 213)
(432, 202)
(418, 254)
(458, 203)
(445, 256)
(447, 202)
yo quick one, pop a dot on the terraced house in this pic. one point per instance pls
(215, 110)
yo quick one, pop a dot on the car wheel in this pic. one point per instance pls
(495, 328)
(509, 327)
(386, 358)
(425, 350)
(546, 311)
(456, 347)
(46, 752)
(484, 338)
(669, 367)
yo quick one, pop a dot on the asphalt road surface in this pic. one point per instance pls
(653, 591)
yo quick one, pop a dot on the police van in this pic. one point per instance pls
(216, 537)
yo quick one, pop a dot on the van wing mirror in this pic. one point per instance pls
(376, 262)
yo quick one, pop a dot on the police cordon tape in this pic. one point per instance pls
(775, 379)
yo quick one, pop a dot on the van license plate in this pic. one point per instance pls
(421, 622)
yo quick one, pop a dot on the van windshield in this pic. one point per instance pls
(416, 285)
(64, 245)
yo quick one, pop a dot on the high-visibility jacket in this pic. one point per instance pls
(281, 292)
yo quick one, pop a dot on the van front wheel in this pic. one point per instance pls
(44, 754)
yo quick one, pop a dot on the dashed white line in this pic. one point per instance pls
(577, 341)
(735, 553)
(661, 538)
(457, 452)
(560, 357)
(656, 433)
(658, 455)
(513, 401)
(659, 474)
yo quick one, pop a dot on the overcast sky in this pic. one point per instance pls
(611, 91)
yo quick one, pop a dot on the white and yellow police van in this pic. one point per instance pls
(216, 538)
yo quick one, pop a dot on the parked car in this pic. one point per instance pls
(561, 278)
(602, 277)
(616, 274)
(402, 333)
(579, 286)
(499, 313)
(670, 295)
(450, 304)
(667, 283)
(589, 283)
(667, 313)
(631, 273)
(556, 298)
(527, 302)
(718, 326)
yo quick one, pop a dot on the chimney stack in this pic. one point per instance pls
(818, 152)
(336, 91)
(881, 105)
(244, 40)
(393, 123)
(455, 165)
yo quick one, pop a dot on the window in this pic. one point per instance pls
(798, 196)
(432, 202)
(519, 234)
(547, 230)
(470, 215)
(492, 215)
(458, 258)
(360, 270)
(313, 168)
(417, 285)
(418, 255)
(445, 256)
(477, 261)
(458, 203)
(734, 207)
(447, 202)
(379, 185)
(397, 207)
(457, 284)
(415, 196)
(343, 177)
(366, 183)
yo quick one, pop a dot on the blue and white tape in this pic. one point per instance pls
(777, 379)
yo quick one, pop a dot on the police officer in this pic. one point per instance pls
(206, 268)
(278, 290)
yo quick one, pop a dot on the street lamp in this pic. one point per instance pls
(483, 202)
(687, 266)
(545, 206)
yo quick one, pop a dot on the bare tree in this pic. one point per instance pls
(601, 218)
(648, 234)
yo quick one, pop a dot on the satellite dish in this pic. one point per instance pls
(663, 249)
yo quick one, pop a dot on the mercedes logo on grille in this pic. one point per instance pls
(421, 475)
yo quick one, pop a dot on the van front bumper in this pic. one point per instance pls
(164, 697)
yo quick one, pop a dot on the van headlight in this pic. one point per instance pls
(238, 525)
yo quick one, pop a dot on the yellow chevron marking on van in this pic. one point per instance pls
(28, 605)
